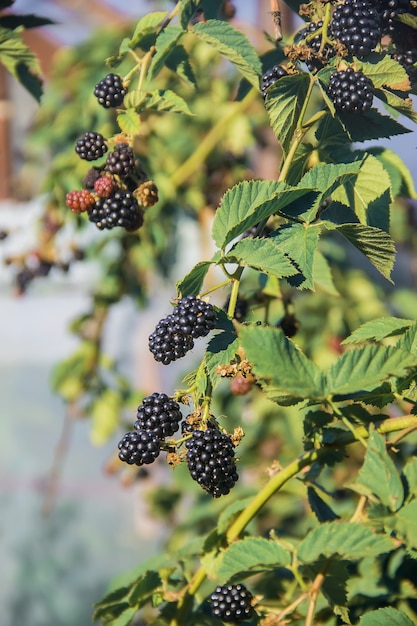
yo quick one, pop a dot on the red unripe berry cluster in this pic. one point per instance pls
(105, 186)
(79, 201)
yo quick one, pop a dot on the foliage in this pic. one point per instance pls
(326, 355)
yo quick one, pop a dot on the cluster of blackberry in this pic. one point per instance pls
(232, 603)
(174, 335)
(356, 24)
(211, 460)
(158, 417)
(270, 78)
(350, 91)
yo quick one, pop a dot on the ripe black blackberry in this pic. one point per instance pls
(318, 57)
(90, 178)
(211, 460)
(121, 161)
(159, 415)
(110, 91)
(194, 317)
(350, 91)
(407, 59)
(167, 342)
(121, 209)
(231, 603)
(270, 78)
(139, 447)
(356, 24)
(91, 146)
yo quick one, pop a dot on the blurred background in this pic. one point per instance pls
(67, 521)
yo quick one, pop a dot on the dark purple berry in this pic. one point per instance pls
(356, 24)
(121, 209)
(231, 603)
(159, 415)
(350, 91)
(139, 447)
(110, 91)
(270, 78)
(91, 146)
(121, 161)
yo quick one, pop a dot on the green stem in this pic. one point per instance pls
(216, 287)
(346, 421)
(235, 292)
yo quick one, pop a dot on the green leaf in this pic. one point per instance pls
(144, 35)
(410, 473)
(363, 369)
(192, 283)
(261, 254)
(233, 45)
(165, 44)
(398, 103)
(279, 365)
(322, 274)
(345, 540)
(374, 243)
(320, 508)
(252, 554)
(358, 193)
(26, 21)
(144, 587)
(385, 617)
(378, 475)
(284, 104)
(187, 10)
(230, 513)
(248, 203)
(378, 329)
(370, 125)
(20, 61)
(383, 70)
(105, 415)
(158, 100)
(406, 524)
(299, 242)
(221, 349)
(179, 62)
(401, 178)
(129, 122)
(408, 342)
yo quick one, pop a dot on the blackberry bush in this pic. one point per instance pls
(110, 91)
(140, 447)
(159, 415)
(91, 146)
(231, 603)
(350, 91)
(120, 209)
(211, 461)
(356, 24)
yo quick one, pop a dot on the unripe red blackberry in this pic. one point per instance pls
(270, 78)
(350, 91)
(105, 186)
(231, 603)
(121, 209)
(211, 460)
(159, 415)
(121, 161)
(139, 448)
(79, 201)
(356, 24)
(110, 91)
(91, 146)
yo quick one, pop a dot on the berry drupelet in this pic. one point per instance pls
(231, 603)
(91, 146)
(159, 415)
(350, 91)
(110, 91)
(211, 461)
(356, 24)
(139, 447)
(270, 78)
(120, 209)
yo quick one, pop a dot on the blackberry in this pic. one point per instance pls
(90, 178)
(350, 91)
(317, 58)
(159, 415)
(270, 78)
(91, 146)
(79, 201)
(211, 461)
(231, 603)
(110, 91)
(289, 325)
(121, 161)
(139, 447)
(194, 317)
(356, 24)
(167, 343)
(121, 209)
(104, 186)
(407, 59)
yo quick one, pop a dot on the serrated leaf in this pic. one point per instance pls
(187, 10)
(20, 61)
(385, 617)
(363, 369)
(105, 415)
(378, 329)
(401, 178)
(145, 31)
(191, 283)
(320, 508)
(165, 44)
(383, 70)
(279, 365)
(374, 243)
(408, 342)
(221, 349)
(399, 104)
(159, 100)
(284, 104)
(378, 475)
(299, 242)
(405, 524)
(248, 203)
(144, 587)
(343, 539)
(261, 254)
(252, 554)
(370, 125)
(179, 62)
(322, 274)
(129, 122)
(358, 193)
(233, 45)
